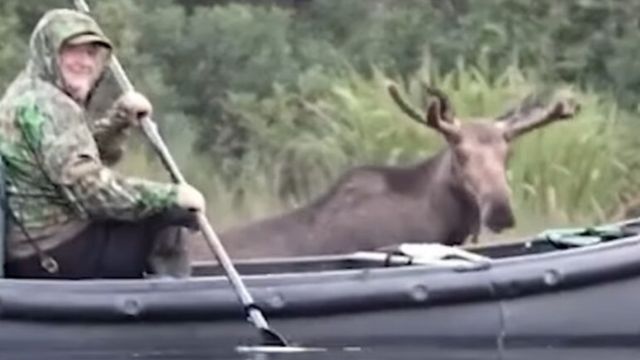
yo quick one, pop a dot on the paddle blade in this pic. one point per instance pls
(272, 338)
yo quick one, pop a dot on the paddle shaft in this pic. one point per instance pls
(150, 129)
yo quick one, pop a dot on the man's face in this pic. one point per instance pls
(81, 66)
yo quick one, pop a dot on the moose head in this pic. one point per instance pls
(480, 149)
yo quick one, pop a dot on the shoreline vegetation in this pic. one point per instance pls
(264, 106)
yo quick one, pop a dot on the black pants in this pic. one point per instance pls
(105, 249)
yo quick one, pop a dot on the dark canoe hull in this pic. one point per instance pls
(574, 303)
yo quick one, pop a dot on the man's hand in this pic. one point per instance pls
(134, 107)
(189, 198)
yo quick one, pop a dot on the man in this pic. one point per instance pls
(71, 216)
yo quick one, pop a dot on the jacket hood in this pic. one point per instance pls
(51, 32)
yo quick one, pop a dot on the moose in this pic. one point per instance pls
(445, 199)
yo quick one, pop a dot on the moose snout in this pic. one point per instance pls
(498, 216)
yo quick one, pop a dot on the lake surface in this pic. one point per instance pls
(354, 353)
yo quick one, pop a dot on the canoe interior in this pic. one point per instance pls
(555, 240)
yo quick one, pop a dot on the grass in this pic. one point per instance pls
(300, 141)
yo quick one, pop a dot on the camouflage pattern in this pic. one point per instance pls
(57, 178)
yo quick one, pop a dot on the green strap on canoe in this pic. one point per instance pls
(576, 237)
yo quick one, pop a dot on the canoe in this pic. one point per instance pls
(564, 291)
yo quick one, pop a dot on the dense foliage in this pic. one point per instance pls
(265, 103)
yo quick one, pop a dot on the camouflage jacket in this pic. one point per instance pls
(57, 180)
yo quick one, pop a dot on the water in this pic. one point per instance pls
(355, 353)
(413, 354)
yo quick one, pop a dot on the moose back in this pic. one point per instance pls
(446, 198)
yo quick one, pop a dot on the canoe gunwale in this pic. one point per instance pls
(319, 294)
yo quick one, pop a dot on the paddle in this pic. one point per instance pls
(268, 335)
